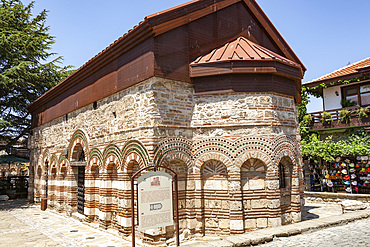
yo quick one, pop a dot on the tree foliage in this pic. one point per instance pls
(27, 67)
(357, 144)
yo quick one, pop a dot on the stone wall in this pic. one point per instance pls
(227, 149)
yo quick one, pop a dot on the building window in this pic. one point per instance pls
(359, 94)
(282, 176)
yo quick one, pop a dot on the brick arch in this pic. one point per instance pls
(286, 151)
(132, 156)
(215, 145)
(62, 158)
(95, 157)
(78, 138)
(177, 156)
(284, 144)
(204, 157)
(134, 146)
(256, 154)
(54, 162)
(253, 147)
(112, 154)
(173, 148)
(63, 162)
(54, 159)
(45, 158)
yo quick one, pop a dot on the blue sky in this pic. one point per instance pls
(325, 34)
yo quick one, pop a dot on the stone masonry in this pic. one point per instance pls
(237, 156)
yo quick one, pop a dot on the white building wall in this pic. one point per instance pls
(331, 100)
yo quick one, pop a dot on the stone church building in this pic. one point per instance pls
(209, 89)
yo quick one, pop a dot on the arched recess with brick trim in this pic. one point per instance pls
(215, 197)
(285, 171)
(78, 149)
(254, 193)
(94, 169)
(288, 165)
(173, 149)
(137, 149)
(40, 187)
(213, 148)
(135, 157)
(109, 186)
(52, 180)
(63, 177)
(95, 158)
(175, 153)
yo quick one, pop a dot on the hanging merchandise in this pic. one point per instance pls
(329, 183)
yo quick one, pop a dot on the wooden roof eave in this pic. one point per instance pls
(122, 45)
(245, 66)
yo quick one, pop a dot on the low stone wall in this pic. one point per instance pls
(322, 197)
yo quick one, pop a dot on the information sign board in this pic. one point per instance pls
(155, 207)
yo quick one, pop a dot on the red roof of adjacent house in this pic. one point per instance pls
(350, 71)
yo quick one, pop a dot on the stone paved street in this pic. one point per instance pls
(25, 225)
(355, 233)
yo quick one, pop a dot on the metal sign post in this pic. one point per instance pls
(156, 188)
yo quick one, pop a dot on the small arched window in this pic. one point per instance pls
(282, 176)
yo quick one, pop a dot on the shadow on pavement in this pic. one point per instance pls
(12, 204)
(309, 216)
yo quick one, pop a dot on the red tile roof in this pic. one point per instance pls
(351, 69)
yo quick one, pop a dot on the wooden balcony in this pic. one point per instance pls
(336, 122)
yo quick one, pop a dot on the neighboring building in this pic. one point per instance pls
(351, 95)
(209, 89)
(347, 92)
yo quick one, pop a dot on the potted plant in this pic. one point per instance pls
(344, 116)
(362, 113)
(326, 117)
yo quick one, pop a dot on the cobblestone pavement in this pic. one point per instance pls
(355, 233)
(22, 224)
(26, 225)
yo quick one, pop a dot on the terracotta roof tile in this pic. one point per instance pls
(349, 69)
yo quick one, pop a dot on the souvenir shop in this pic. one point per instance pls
(342, 175)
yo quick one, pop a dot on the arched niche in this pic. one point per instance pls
(78, 153)
(253, 175)
(215, 197)
(285, 169)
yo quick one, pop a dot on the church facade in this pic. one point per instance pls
(209, 89)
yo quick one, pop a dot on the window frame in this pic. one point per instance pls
(357, 87)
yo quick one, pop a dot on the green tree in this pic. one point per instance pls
(27, 67)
